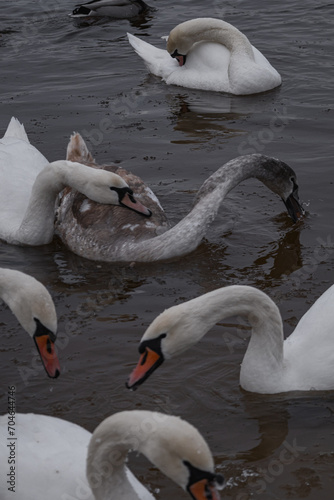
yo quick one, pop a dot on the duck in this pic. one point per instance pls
(66, 461)
(271, 365)
(117, 9)
(30, 186)
(209, 54)
(101, 233)
(34, 308)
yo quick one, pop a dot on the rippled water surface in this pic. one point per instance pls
(58, 76)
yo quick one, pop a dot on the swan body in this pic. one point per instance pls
(302, 362)
(101, 233)
(209, 54)
(118, 9)
(58, 459)
(33, 306)
(30, 185)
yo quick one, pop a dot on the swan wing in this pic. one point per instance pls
(206, 68)
(20, 163)
(158, 61)
(48, 464)
(309, 350)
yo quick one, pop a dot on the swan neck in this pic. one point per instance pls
(110, 444)
(37, 226)
(225, 34)
(185, 236)
(196, 317)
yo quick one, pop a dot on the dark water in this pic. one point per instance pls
(58, 76)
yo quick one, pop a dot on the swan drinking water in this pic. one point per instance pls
(102, 232)
(58, 459)
(32, 304)
(302, 362)
(209, 54)
(30, 185)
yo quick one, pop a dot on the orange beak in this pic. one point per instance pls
(148, 362)
(47, 352)
(130, 201)
(202, 490)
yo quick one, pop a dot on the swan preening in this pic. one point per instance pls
(117, 9)
(30, 185)
(302, 362)
(106, 233)
(33, 306)
(209, 54)
(51, 462)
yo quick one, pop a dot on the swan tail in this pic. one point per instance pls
(77, 150)
(155, 59)
(16, 129)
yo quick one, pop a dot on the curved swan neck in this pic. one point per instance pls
(193, 319)
(185, 35)
(107, 454)
(37, 227)
(185, 236)
(167, 441)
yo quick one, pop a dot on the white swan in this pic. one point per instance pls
(101, 232)
(33, 306)
(51, 457)
(209, 54)
(118, 9)
(303, 362)
(29, 186)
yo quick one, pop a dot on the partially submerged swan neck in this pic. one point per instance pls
(186, 34)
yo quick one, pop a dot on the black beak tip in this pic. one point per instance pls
(133, 387)
(56, 374)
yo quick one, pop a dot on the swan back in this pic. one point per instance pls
(51, 459)
(99, 229)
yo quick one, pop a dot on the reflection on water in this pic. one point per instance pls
(201, 123)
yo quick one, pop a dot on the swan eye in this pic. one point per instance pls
(122, 192)
(198, 475)
(295, 185)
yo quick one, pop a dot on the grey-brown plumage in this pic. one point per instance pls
(87, 227)
(115, 234)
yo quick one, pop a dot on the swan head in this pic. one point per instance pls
(184, 35)
(34, 308)
(282, 180)
(99, 185)
(181, 453)
(168, 442)
(109, 188)
(170, 334)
